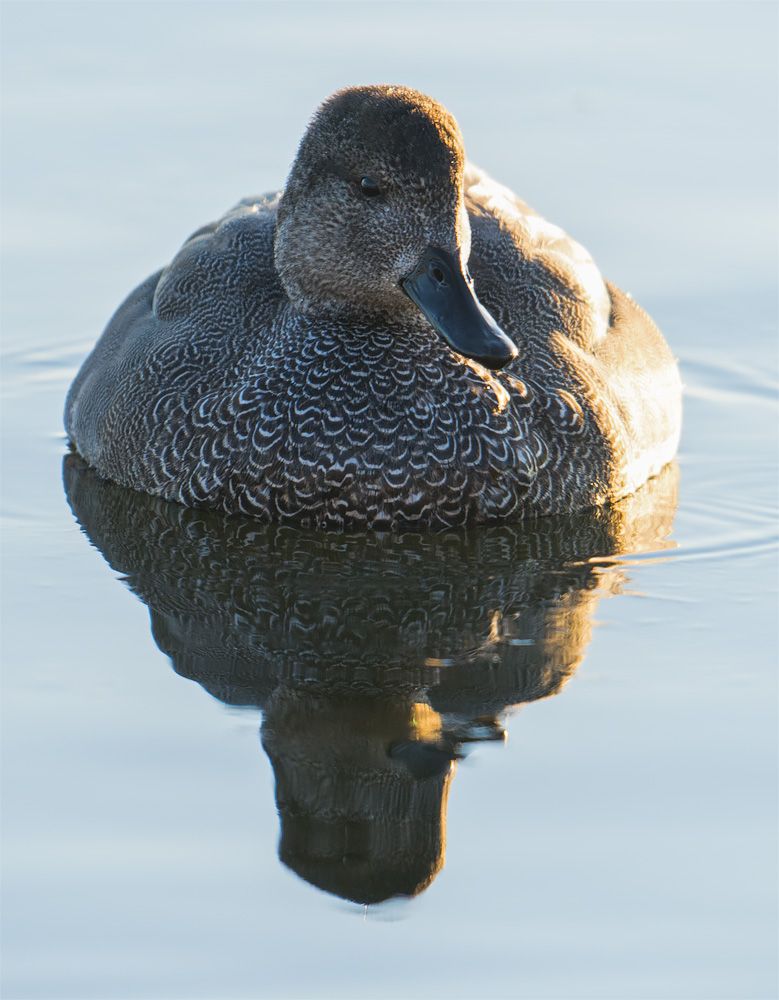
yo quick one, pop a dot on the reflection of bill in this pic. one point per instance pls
(375, 658)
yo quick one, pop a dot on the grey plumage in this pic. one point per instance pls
(277, 368)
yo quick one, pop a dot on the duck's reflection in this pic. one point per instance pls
(375, 658)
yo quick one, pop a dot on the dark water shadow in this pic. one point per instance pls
(376, 659)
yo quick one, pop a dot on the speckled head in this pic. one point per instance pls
(373, 220)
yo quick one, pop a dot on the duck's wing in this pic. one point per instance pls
(179, 332)
(537, 257)
(221, 261)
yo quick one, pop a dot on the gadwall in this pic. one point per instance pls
(320, 356)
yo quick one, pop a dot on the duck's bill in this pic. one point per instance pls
(446, 297)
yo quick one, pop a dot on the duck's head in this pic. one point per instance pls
(373, 219)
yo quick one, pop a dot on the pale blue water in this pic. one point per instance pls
(622, 844)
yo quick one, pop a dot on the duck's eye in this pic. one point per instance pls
(369, 187)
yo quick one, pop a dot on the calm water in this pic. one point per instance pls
(197, 711)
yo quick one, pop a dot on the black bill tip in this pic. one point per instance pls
(445, 296)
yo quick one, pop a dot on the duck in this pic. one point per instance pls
(393, 340)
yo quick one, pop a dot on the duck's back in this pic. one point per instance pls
(577, 333)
